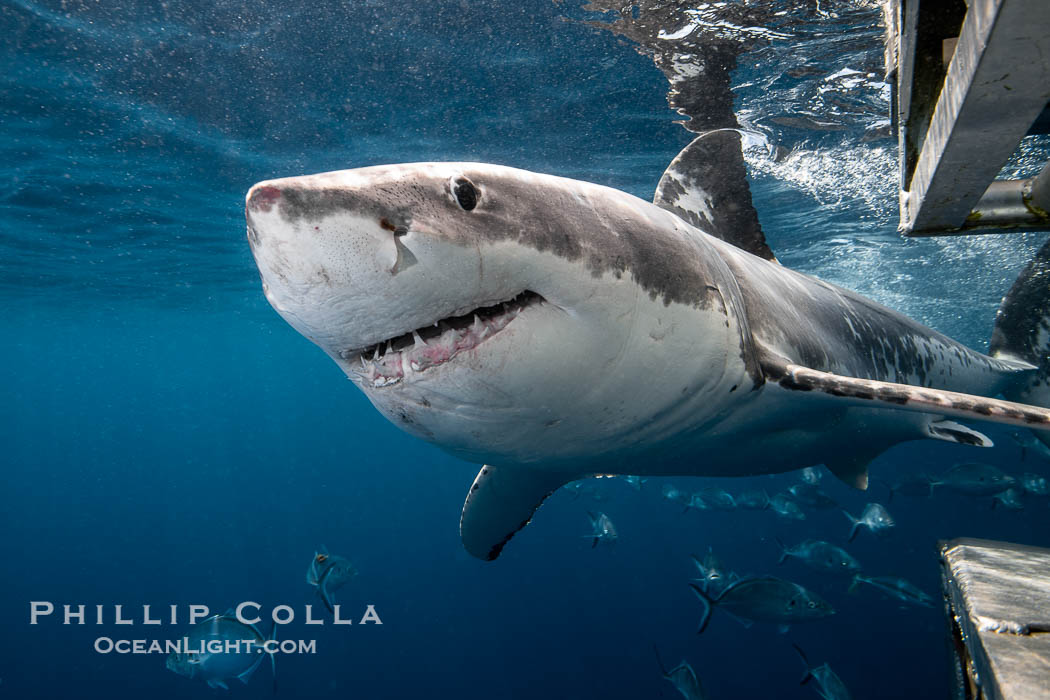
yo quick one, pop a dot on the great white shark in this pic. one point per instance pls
(552, 329)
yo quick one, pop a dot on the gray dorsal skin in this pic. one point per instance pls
(696, 187)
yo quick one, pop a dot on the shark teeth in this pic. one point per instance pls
(423, 348)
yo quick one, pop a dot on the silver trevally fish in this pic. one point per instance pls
(635, 482)
(830, 686)
(975, 479)
(895, 586)
(713, 574)
(757, 499)
(764, 599)
(875, 517)
(1028, 442)
(683, 678)
(810, 495)
(696, 501)
(604, 530)
(329, 572)
(1010, 499)
(717, 499)
(586, 488)
(1034, 484)
(786, 507)
(216, 669)
(674, 494)
(821, 555)
(916, 485)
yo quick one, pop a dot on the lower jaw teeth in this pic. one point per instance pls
(390, 368)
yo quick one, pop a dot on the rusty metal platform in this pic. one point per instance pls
(971, 80)
(998, 598)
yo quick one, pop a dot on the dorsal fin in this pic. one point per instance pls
(706, 185)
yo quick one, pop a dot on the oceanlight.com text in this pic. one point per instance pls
(106, 645)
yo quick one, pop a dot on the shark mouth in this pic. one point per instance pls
(387, 362)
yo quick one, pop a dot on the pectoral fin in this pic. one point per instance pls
(852, 471)
(501, 502)
(905, 396)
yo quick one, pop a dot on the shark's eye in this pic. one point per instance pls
(321, 558)
(466, 193)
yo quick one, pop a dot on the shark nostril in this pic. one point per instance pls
(262, 198)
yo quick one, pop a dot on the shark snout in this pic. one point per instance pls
(262, 197)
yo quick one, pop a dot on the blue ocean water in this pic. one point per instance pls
(168, 440)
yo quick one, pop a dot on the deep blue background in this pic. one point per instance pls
(165, 438)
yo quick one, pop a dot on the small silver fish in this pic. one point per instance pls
(811, 496)
(713, 575)
(328, 572)
(786, 507)
(752, 500)
(635, 482)
(914, 485)
(895, 586)
(1010, 499)
(764, 599)
(810, 475)
(717, 499)
(586, 487)
(1030, 443)
(604, 530)
(216, 669)
(822, 556)
(683, 678)
(1034, 484)
(875, 517)
(829, 685)
(673, 494)
(975, 479)
(695, 501)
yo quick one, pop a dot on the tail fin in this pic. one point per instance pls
(1021, 332)
(706, 616)
(663, 669)
(783, 550)
(701, 569)
(322, 590)
(856, 526)
(929, 484)
(889, 489)
(805, 662)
